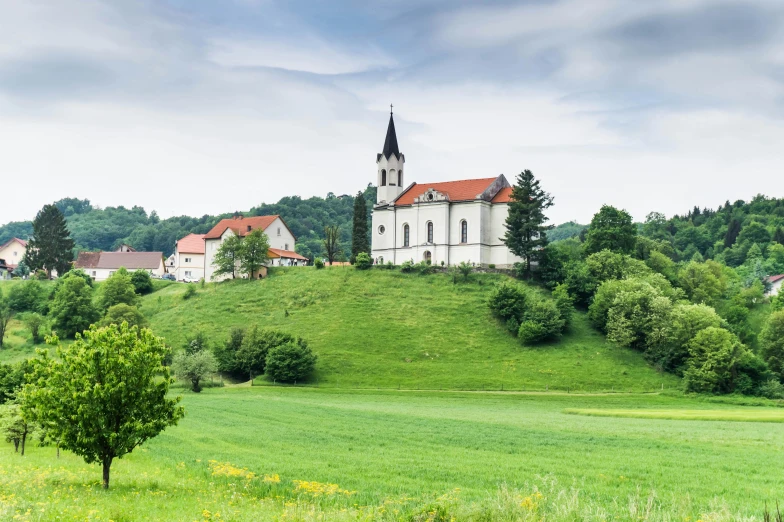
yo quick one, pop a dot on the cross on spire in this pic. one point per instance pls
(390, 108)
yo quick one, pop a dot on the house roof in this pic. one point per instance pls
(114, 260)
(288, 254)
(240, 225)
(191, 244)
(774, 278)
(20, 241)
(464, 190)
(504, 196)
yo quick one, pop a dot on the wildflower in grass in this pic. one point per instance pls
(226, 469)
(272, 479)
(319, 489)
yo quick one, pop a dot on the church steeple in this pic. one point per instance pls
(389, 166)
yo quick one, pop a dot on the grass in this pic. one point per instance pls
(744, 415)
(472, 456)
(388, 329)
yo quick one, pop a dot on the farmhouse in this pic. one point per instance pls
(13, 252)
(282, 242)
(101, 265)
(442, 223)
(776, 282)
(188, 258)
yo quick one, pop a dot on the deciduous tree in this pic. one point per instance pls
(118, 289)
(254, 253)
(611, 229)
(194, 367)
(227, 257)
(332, 243)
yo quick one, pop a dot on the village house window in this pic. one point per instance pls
(187, 259)
(278, 230)
(187, 273)
(406, 237)
(286, 246)
(464, 231)
(429, 231)
(248, 228)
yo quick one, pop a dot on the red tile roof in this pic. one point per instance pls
(288, 254)
(240, 225)
(20, 241)
(114, 260)
(464, 190)
(503, 196)
(191, 244)
(774, 278)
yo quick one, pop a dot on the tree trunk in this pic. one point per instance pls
(58, 449)
(107, 463)
(24, 439)
(16, 445)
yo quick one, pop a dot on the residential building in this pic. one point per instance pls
(189, 258)
(12, 252)
(101, 265)
(776, 281)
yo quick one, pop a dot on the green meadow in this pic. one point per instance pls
(415, 456)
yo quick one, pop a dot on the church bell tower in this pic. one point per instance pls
(389, 166)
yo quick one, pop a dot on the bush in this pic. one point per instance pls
(715, 354)
(194, 367)
(197, 343)
(290, 362)
(29, 296)
(190, 291)
(142, 282)
(425, 268)
(123, 313)
(72, 307)
(772, 389)
(118, 289)
(465, 269)
(407, 267)
(541, 321)
(318, 263)
(37, 325)
(227, 354)
(564, 302)
(507, 301)
(491, 266)
(252, 356)
(41, 275)
(363, 261)
(772, 342)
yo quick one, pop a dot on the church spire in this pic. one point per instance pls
(390, 143)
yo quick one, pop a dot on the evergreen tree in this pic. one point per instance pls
(778, 236)
(359, 237)
(611, 229)
(51, 247)
(526, 232)
(733, 230)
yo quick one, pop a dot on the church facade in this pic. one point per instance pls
(444, 223)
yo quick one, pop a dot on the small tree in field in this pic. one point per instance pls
(254, 253)
(142, 282)
(5, 317)
(72, 307)
(290, 362)
(118, 289)
(227, 257)
(104, 395)
(332, 243)
(194, 367)
(123, 313)
(35, 323)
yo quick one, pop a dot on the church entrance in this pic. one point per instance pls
(427, 258)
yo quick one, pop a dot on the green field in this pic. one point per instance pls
(388, 329)
(460, 454)
(744, 415)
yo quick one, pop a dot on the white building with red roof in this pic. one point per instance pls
(12, 252)
(188, 258)
(281, 239)
(444, 223)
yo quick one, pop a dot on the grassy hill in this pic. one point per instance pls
(388, 329)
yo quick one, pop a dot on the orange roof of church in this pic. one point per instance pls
(504, 196)
(191, 244)
(464, 190)
(240, 225)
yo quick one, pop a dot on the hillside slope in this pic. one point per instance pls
(389, 329)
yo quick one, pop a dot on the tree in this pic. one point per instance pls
(541, 321)
(714, 356)
(611, 229)
(638, 318)
(142, 282)
(30, 296)
(507, 303)
(194, 367)
(124, 313)
(227, 257)
(21, 270)
(683, 324)
(772, 343)
(564, 302)
(72, 306)
(363, 261)
(701, 283)
(359, 234)
(733, 229)
(103, 395)
(15, 426)
(332, 242)
(290, 362)
(51, 247)
(778, 235)
(254, 253)
(5, 318)
(35, 323)
(226, 355)
(118, 289)
(252, 355)
(526, 232)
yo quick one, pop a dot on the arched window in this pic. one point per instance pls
(392, 177)
(399, 178)
(383, 177)
(406, 235)
(464, 231)
(428, 257)
(429, 231)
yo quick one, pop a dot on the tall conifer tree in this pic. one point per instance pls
(359, 235)
(526, 231)
(51, 247)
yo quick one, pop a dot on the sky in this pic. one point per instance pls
(201, 107)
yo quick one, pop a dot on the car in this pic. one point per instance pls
(169, 277)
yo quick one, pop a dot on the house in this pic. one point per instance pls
(776, 282)
(13, 252)
(125, 248)
(282, 241)
(189, 258)
(5, 271)
(101, 265)
(441, 223)
(170, 264)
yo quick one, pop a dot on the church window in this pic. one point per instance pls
(381, 229)
(399, 178)
(429, 231)
(383, 177)
(392, 178)
(406, 236)
(464, 231)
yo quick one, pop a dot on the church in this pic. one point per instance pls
(444, 223)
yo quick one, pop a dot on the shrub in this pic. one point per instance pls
(772, 342)
(227, 354)
(407, 267)
(41, 275)
(190, 291)
(197, 343)
(118, 289)
(363, 261)
(252, 355)
(123, 313)
(36, 324)
(684, 322)
(142, 282)
(465, 269)
(29, 296)
(318, 263)
(491, 266)
(541, 321)
(425, 268)
(714, 357)
(194, 367)
(290, 362)
(564, 302)
(772, 389)
(72, 307)
(507, 301)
